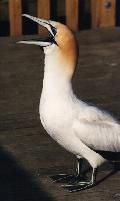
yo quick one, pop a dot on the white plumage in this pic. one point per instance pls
(81, 129)
(72, 123)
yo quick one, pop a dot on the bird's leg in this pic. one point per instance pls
(67, 178)
(77, 176)
(79, 166)
(82, 185)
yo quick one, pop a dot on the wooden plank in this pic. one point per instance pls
(72, 14)
(95, 13)
(103, 13)
(43, 11)
(15, 11)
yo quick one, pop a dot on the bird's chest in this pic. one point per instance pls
(56, 116)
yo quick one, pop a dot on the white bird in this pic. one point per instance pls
(81, 129)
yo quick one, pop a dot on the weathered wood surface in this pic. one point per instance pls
(103, 13)
(27, 154)
(72, 14)
(43, 11)
(15, 17)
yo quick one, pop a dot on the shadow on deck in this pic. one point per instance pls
(18, 184)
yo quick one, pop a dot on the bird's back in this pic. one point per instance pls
(97, 128)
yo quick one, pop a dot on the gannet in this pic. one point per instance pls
(82, 129)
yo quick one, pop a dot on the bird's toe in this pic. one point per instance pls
(79, 187)
(61, 178)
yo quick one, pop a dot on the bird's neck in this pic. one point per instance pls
(57, 80)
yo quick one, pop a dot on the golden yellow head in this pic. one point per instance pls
(67, 44)
(61, 44)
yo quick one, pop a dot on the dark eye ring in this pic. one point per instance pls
(54, 30)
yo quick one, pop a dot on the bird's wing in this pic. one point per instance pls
(92, 113)
(98, 130)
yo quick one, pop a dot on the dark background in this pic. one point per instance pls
(57, 13)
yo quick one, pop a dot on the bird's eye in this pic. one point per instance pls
(53, 29)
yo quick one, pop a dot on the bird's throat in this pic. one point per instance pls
(56, 81)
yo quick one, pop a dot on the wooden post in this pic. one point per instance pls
(15, 11)
(43, 11)
(103, 13)
(72, 14)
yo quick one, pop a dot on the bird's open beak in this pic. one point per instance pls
(42, 42)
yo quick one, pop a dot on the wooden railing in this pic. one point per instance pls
(102, 14)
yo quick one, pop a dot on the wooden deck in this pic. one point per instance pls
(27, 154)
